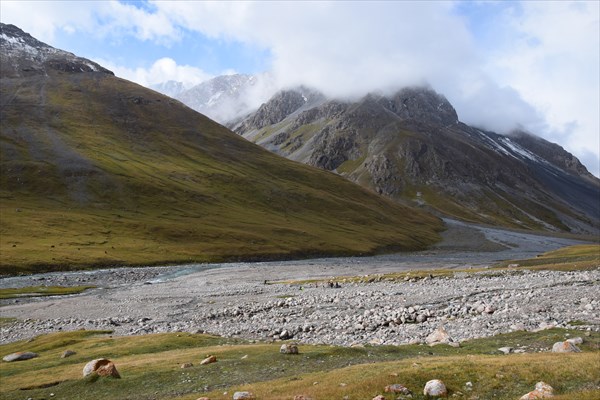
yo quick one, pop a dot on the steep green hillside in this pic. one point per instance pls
(96, 171)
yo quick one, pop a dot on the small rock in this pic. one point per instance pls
(187, 365)
(108, 370)
(565, 347)
(438, 336)
(302, 397)
(469, 386)
(67, 353)
(209, 360)
(379, 397)
(19, 356)
(435, 388)
(506, 350)
(243, 396)
(542, 391)
(203, 398)
(102, 367)
(288, 349)
(397, 388)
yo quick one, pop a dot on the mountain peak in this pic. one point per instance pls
(23, 55)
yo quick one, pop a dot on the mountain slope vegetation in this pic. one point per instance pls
(96, 170)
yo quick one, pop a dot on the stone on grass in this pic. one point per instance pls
(209, 360)
(19, 356)
(203, 398)
(288, 349)
(542, 391)
(506, 350)
(302, 397)
(108, 370)
(565, 347)
(397, 388)
(67, 353)
(102, 367)
(378, 397)
(187, 365)
(435, 388)
(243, 396)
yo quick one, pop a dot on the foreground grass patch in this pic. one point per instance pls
(151, 367)
(32, 291)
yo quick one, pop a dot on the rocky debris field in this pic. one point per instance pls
(370, 311)
(250, 300)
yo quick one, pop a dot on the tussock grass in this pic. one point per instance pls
(150, 367)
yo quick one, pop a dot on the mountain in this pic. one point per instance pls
(411, 147)
(227, 97)
(170, 88)
(96, 170)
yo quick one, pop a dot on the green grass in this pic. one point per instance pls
(580, 257)
(94, 179)
(31, 291)
(150, 367)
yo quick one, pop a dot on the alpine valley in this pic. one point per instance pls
(99, 171)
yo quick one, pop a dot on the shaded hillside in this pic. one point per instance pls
(411, 147)
(96, 170)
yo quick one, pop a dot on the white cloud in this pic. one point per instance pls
(162, 70)
(43, 19)
(554, 64)
(536, 64)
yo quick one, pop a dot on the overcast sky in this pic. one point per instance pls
(502, 64)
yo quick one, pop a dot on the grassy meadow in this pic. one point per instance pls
(150, 367)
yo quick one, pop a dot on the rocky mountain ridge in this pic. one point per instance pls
(412, 147)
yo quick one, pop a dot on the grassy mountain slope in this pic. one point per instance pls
(96, 170)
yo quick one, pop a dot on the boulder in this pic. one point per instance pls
(288, 349)
(209, 360)
(397, 388)
(243, 396)
(67, 353)
(102, 367)
(435, 388)
(19, 356)
(565, 347)
(542, 391)
(438, 336)
(108, 370)
(506, 350)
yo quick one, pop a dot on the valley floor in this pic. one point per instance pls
(291, 299)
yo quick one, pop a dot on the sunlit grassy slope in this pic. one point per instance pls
(99, 171)
(150, 368)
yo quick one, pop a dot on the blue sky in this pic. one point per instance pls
(502, 64)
